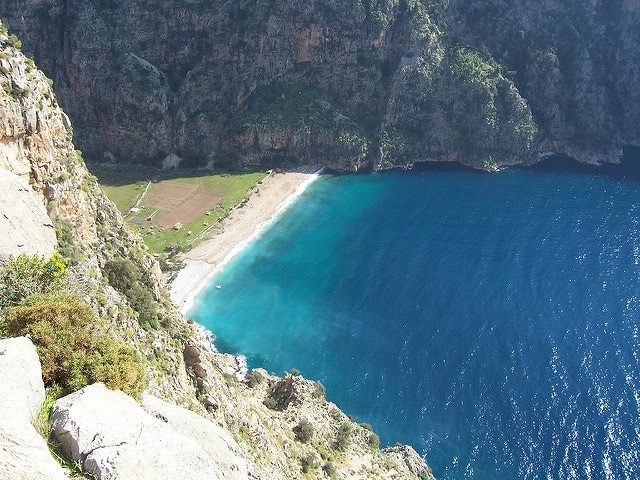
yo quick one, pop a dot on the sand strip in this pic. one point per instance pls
(233, 233)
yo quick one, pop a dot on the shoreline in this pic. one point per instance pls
(232, 234)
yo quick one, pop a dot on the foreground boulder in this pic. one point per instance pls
(215, 441)
(24, 454)
(113, 437)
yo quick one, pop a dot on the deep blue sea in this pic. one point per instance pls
(489, 320)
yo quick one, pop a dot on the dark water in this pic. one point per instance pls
(489, 320)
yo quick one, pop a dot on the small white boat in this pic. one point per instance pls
(217, 286)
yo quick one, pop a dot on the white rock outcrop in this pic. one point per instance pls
(24, 223)
(24, 454)
(216, 442)
(114, 438)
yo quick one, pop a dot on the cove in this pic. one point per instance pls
(489, 320)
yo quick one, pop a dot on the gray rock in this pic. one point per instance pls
(113, 437)
(215, 441)
(24, 223)
(23, 452)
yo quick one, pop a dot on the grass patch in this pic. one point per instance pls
(194, 200)
(123, 185)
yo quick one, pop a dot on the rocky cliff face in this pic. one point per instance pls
(260, 414)
(373, 82)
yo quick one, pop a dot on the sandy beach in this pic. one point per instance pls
(233, 233)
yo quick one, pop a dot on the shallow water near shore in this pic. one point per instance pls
(489, 320)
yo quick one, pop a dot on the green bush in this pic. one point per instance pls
(126, 277)
(373, 440)
(25, 275)
(309, 461)
(343, 438)
(303, 431)
(330, 469)
(281, 395)
(253, 379)
(73, 352)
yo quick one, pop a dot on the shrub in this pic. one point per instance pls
(72, 351)
(281, 395)
(309, 461)
(26, 275)
(127, 278)
(374, 440)
(343, 438)
(253, 378)
(14, 41)
(330, 469)
(303, 431)
(319, 390)
(64, 235)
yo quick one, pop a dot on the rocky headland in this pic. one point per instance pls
(195, 407)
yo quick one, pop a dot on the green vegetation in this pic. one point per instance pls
(66, 246)
(281, 395)
(289, 104)
(123, 186)
(373, 440)
(14, 41)
(330, 469)
(73, 348)
(231, 188)
(220, 194)
(303, 431)
(44, 427)
(343, 437)
(469, 65)
(253, 379)
(127, 278)
(25, 275)
(309, 461)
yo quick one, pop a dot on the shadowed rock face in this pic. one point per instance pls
(347, 84)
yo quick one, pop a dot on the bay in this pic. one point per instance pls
(489, 320)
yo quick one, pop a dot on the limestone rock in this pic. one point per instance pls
(24, 223)
(216, 442)
(113, 437)
(205, 79)
(24, 454)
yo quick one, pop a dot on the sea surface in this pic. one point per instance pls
(489, 320)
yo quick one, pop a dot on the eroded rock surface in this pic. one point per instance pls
(24, 454)
(216, 442)
(24, 223)
(112, 436)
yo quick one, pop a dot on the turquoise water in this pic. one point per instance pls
(489, 320)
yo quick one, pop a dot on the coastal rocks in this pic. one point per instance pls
(114, 437)
(414, 462)
(24, 454)
(24, 223)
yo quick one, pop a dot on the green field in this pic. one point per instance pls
(191, 202)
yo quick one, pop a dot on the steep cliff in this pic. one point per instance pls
(110, 270)
(348, 84)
